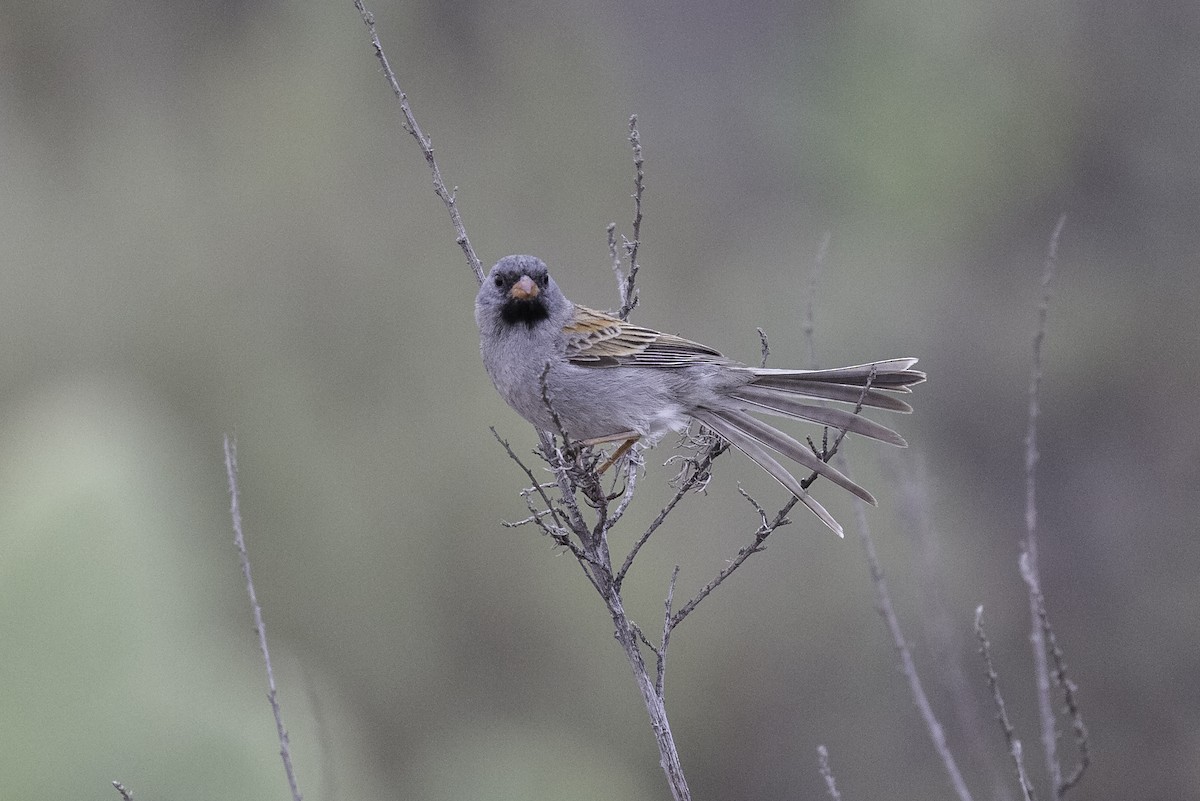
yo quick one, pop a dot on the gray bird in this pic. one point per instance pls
(611, 381)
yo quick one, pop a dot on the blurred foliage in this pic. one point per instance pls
(211, 221)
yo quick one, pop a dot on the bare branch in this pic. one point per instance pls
(558, 423)
(239, 539)
(1041, 669)
(125, 794)
(555, 458)
(426, 145)
(631, 472)
(883, 601)
(766, 527)
(629, 295)
(1061, 680)
(765, 347)
(758, 544)
(696, 477)
(615, 259)
(660, 680)
(626, 634)
(1014, 745)
(534, 484)
(907, 473)
(827, 452)
(827, 773)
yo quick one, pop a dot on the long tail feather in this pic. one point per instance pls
(893, 374)
(845, 384)
(758, 454)
(791, 448)
(787, 404)
(782, 392)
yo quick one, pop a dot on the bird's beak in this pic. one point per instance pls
(523, 289)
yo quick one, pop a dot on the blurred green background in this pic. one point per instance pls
(211, 221)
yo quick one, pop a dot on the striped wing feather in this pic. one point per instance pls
(596, 339)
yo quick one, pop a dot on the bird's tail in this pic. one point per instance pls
(785, 392)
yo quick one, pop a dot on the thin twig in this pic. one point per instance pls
(1061, 680)
(1030, 546)
(755, 546)
(827, 773)
(614, 257)
(660, 680)
(827, 452)
(426, 145)
(533, 481)
(1014, 745)
(883, 601)
(906, 471)
(125, 794)
(765, 348)
(239, 539)
(697, 476)
(629, 294)
(768, 527)
(631, 470)
(543, 382)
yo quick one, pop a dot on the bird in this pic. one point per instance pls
(604, 380)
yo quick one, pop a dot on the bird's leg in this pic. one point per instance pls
(621, 450)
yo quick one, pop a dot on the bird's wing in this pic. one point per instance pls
(596, 339)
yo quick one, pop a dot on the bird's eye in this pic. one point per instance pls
(542, 279)
(499, 281)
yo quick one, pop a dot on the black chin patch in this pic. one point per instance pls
(529, 312)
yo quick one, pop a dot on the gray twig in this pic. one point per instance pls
(661, 651)
(883, 602)
(768, 526)
(1061, 680)
(426, 145)
(239, 539)
(765, 348)
(754, 546)
(629, 294)
(1014, 745)
(907, 473)
(614, 257)
(827, 773)
(698, 475)
(590, 548)
(125, 794)
(1030, 546)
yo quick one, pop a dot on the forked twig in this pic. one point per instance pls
(1062, 681)
(410, 124)
(698, 475)
(1014, 745)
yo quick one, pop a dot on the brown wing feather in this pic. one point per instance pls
(596, 339)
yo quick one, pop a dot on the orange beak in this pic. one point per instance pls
(524, 289)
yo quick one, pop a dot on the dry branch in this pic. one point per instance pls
(235, 512)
